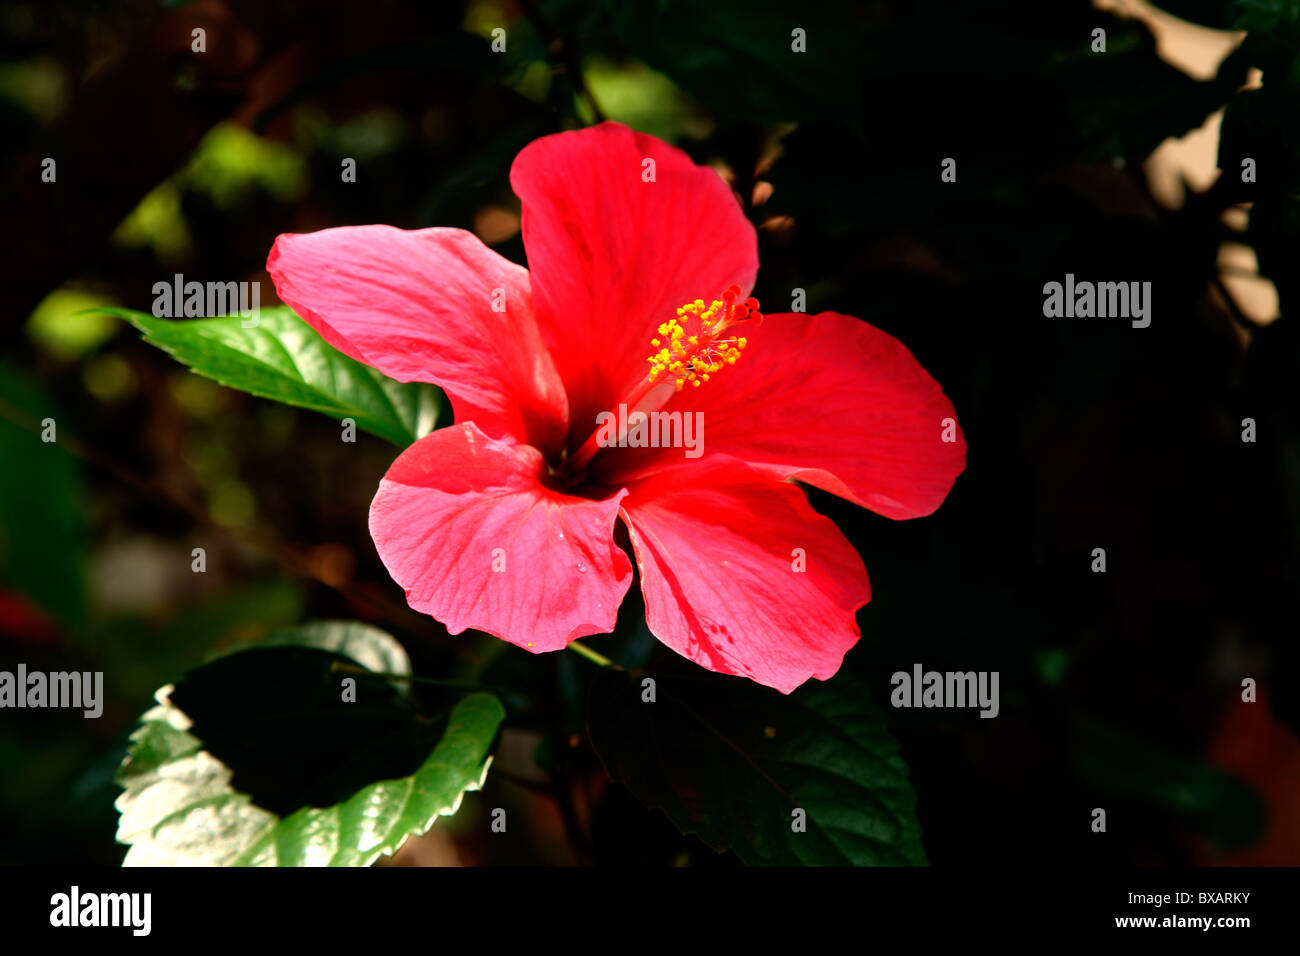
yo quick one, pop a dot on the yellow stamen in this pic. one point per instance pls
(696, 347)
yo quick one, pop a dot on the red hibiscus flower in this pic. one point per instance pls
(640, 263)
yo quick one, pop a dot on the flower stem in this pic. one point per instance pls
(591, 655)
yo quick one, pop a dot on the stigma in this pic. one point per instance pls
(695, 344)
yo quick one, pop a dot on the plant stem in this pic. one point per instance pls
(592, 656)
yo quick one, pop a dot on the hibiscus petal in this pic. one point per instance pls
(419, 306)
(831, 401)
(465, 526)
(715, 542)
(612, 256)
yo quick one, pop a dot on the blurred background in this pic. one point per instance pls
(1119, 690)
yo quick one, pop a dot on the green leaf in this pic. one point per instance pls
(285, 359)
(230, 766)
(733, 762)
(378, 818)
(41, 525)
(368, 646)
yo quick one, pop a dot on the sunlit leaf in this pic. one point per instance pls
(284, 359)
(183, 803)
(368, 646)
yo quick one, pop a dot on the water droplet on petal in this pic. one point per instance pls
(580, 568)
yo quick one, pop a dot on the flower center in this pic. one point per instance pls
(694, 345)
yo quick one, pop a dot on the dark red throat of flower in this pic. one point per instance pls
(691, 347)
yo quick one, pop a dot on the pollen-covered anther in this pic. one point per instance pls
(693, 345)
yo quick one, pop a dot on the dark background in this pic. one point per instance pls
(1119, 690)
